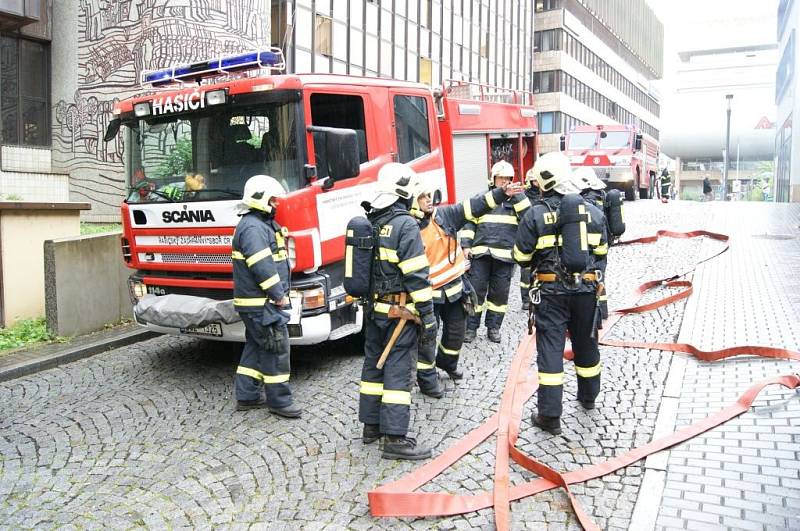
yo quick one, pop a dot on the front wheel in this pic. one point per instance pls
(644, 193)
(630, 192)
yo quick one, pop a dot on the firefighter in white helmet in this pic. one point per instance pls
(593, 190)
(556, 238)
(534, 196)
(260, 288)
(398, 276)
(488, 240)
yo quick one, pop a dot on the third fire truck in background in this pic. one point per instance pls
(192, 145)
(621, 155)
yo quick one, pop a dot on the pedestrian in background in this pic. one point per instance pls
(708, 193)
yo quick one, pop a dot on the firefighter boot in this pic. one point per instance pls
(493, 334)
(371, 433)
(469, 335)
(399, 447)
(290, 412)
(587, 404)
(244, 405)
(549, 424)
(455, 374)
(435, 392)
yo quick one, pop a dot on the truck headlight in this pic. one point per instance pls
(313, 298)
(137, 290)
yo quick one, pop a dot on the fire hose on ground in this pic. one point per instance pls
(399, 498)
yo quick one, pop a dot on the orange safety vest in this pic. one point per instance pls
(444, 254)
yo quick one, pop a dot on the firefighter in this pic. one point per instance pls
(399, 274)
(487, 242)
(439, 226)
(555, 239)
(260, 287)
(665, 185)
(592, 189)
(533, 195)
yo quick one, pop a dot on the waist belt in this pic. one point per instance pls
(392, 298)
(552, 277)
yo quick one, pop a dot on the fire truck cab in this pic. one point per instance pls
(619, 154)
(191, 146)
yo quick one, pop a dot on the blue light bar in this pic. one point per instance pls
(271, 59)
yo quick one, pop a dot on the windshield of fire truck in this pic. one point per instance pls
(582, 140)
(614, 139)
(210, 155)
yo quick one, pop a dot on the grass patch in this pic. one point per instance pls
(97, 228)
(24, 333)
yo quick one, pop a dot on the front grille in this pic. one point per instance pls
(175, 258)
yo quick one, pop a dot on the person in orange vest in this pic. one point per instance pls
(439, 226)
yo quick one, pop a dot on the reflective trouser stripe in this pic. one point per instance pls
(391, 396)
(371, 388)
(448, 351)
(421, 365)
(278, 378)
(497, 308)
(252, 373)
(549, 378)
(588, 372)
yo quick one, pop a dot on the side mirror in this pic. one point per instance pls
(341, 153)
(437, 197)
(112, 130)
(637, 142)
(562, 143)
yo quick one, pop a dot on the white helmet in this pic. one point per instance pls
(258, 190)
(530, 179)
(585, 178)
(501, 168)
(553, 172)
(395, 181)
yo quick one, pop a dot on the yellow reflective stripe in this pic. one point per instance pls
(524, 285)
(371, 388)
(422, 295)
(278, 378)
(499, 218)
(497, 308)
(594, 238)
(602, 298)
(551, 378)
(250, 302)
(436, 293)
(455, 289)
(587, 372)
(519, 256)
(467, 210)
(348, 261)
(388, 255)
(500, 253)
(260, 255)
(582, 225)
(489, 197)
(280, 256)
(448, 351)
(546, 241)
(236, 255)
(252, 373)
(479, 307)
(271, 281)
(382, 307)
(413, 264)
(396, 397)
(468, 234)
(601, 249)
(522, 205)
(422, 366)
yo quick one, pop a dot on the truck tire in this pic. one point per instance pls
(630, 191)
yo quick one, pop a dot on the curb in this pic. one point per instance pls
(68, 355)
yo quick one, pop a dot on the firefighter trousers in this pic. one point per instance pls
(555, 315)
(491, 279)
(385, 394)
(454, 320)
(525, 284)
(264, 361)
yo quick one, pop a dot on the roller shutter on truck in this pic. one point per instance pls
(470, 165)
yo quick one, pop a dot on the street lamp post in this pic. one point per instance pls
(728, 97)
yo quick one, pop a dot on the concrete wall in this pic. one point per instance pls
(23, 230)
(85, 283)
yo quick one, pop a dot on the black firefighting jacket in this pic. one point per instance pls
(452, 218)
(493, 233)
(536, 244)
(402, 265)
(261, 272)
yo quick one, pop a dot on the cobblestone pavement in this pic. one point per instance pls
(746, 473)
(147, 435)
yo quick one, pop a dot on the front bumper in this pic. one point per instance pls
(613, 174)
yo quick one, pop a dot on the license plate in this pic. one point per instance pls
(213, 329)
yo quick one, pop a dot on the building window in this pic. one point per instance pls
(785, 72)
(546, 123)
(412, 129)
(322, 35)
(547, 5)
(784, 8)
(425, 71)
(340, 111)
(24, 92)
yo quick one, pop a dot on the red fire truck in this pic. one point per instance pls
(191, 146)
(619, 154)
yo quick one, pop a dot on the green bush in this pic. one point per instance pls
(96, 228)
(24, 333)
(179, 159)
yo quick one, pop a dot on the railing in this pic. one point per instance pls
(468, 90)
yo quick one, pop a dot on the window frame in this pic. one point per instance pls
(401, 157)
(22, 96)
